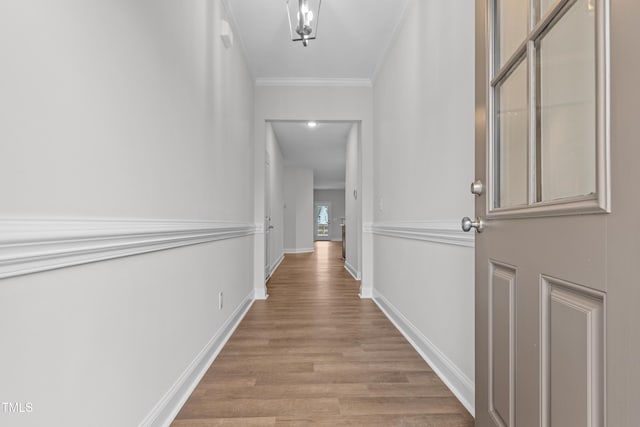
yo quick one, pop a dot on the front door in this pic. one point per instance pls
(543, 216)
(322, 221)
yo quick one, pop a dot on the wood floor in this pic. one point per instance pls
(314, 353)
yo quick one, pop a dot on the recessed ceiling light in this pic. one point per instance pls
(312, 124)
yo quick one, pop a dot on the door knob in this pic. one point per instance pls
(271, 227)
(468, 224)
(477, 188)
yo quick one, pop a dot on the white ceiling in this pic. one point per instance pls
(322, 149)
(353, 36)
(352, 39)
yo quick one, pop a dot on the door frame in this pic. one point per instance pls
(267, 215)
(349, 109)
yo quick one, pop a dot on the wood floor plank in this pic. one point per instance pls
(382, 366)
(314, 353)
(400, 405)
(425, 420)
(283, 391)
(226, 422)
(332, 378)
(260, 407)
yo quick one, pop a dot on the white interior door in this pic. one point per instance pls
(542, 208)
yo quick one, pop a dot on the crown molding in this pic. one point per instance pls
(312, 82)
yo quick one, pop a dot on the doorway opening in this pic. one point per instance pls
(309, 195)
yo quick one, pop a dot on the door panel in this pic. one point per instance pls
(502, 288)
(572, 354)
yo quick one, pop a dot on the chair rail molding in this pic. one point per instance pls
(31, 245)
(446, 232)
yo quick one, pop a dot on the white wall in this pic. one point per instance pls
(423, 154)
(298, 201)
(117, 109)
(353, 259)
(276, 198)
(329, 104)
(336, 198)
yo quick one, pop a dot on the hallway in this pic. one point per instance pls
(315, 353)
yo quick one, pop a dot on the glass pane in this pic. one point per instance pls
(511, 21)
(511, 145)
(544, 7)
(567, 105)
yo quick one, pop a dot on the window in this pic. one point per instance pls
(549, 109)
(322, 220)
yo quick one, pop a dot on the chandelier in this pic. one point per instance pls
(303, 19)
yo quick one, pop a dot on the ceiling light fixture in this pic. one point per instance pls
(312, 124)
(301, 20)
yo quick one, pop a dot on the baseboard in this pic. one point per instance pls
(275, 265)
(457, 381)
(365, 293)
(261, 293)
(299, 251)
(168, 407)
(355, 273)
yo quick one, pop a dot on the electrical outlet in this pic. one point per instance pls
(220, 300)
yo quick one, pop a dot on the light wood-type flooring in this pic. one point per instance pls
(314, 353)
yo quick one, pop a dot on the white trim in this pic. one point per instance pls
(313, 82)
(365, 293)
(459, 383)
(299, 251)
(446, 232)
(164, 412)
(352, 270)
(35, 245)
(276, 264)
(261, 293)
(384, 52)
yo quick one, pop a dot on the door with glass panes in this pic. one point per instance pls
(322, 221)
(542, 206)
